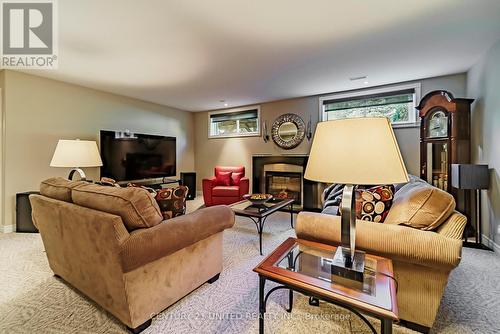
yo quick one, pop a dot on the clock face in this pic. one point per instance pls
(438, 124)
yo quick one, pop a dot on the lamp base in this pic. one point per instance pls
(344, 267)
(83, 177)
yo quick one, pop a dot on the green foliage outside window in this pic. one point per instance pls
(397, 112)
(235, 127)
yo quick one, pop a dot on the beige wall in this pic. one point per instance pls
(40, 111)
(239, 151)
(483, 84)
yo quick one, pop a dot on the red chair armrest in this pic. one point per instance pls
(244, 186)
(210, 180)
(208, 184)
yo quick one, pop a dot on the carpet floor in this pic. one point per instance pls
(32, 300)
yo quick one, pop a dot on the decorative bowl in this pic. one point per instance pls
(258, 199)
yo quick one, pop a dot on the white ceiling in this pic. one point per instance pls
(191, 54)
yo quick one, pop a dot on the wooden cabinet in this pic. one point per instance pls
(444, 140)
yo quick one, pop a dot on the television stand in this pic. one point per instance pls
(165, 182)
(156, 183)
(170, 180)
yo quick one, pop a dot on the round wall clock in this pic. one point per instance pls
(288, 131)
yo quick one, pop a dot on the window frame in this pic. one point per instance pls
(413, 115)
(235, 110)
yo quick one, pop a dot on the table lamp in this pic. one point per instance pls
(76, 154)
(355, 151)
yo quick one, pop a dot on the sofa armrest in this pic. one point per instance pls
(244, 186)
(395, 242)
(454, 226)
(150, 244)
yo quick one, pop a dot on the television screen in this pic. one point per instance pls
(130, 156)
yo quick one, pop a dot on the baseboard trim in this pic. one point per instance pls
(492, 244)
(7, 228)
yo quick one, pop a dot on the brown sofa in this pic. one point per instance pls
(422, 259)
(112, 245)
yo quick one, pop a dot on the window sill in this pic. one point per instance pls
(234, 136)
(406, 125)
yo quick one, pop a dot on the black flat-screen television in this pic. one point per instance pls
(128, 156)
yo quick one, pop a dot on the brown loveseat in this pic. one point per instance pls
(112, 245)
(423, 255)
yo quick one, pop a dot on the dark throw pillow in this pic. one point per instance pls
(135, 185)
(107, 181)
(172, 201)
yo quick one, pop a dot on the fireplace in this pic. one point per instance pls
(283, 175)
(284, 181)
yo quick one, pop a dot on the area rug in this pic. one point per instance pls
(32, 300)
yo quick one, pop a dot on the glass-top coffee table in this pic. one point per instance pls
(305, 267)
(258, 214)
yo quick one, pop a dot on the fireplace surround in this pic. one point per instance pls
(282, 175)
(284, 181)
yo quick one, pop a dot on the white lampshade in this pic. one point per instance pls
(356, 151)
(76, 153)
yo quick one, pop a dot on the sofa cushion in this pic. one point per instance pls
(172, 201)
(420, 205)
(136, 207)
(59, 188)
(226, 191)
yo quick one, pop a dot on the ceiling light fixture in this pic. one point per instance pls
(366, 82)
(358, 78)
(224, 103)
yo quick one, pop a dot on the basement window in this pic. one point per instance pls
(397, 103)
(240, 122)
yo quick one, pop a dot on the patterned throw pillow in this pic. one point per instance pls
(223, 179)
(172, 201)
(373, 204)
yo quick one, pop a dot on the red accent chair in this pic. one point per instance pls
(215, 194)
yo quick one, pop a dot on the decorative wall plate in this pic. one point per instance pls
(288, 131)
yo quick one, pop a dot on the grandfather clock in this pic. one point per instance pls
(445, 140)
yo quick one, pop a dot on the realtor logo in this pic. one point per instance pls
(28, 34)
